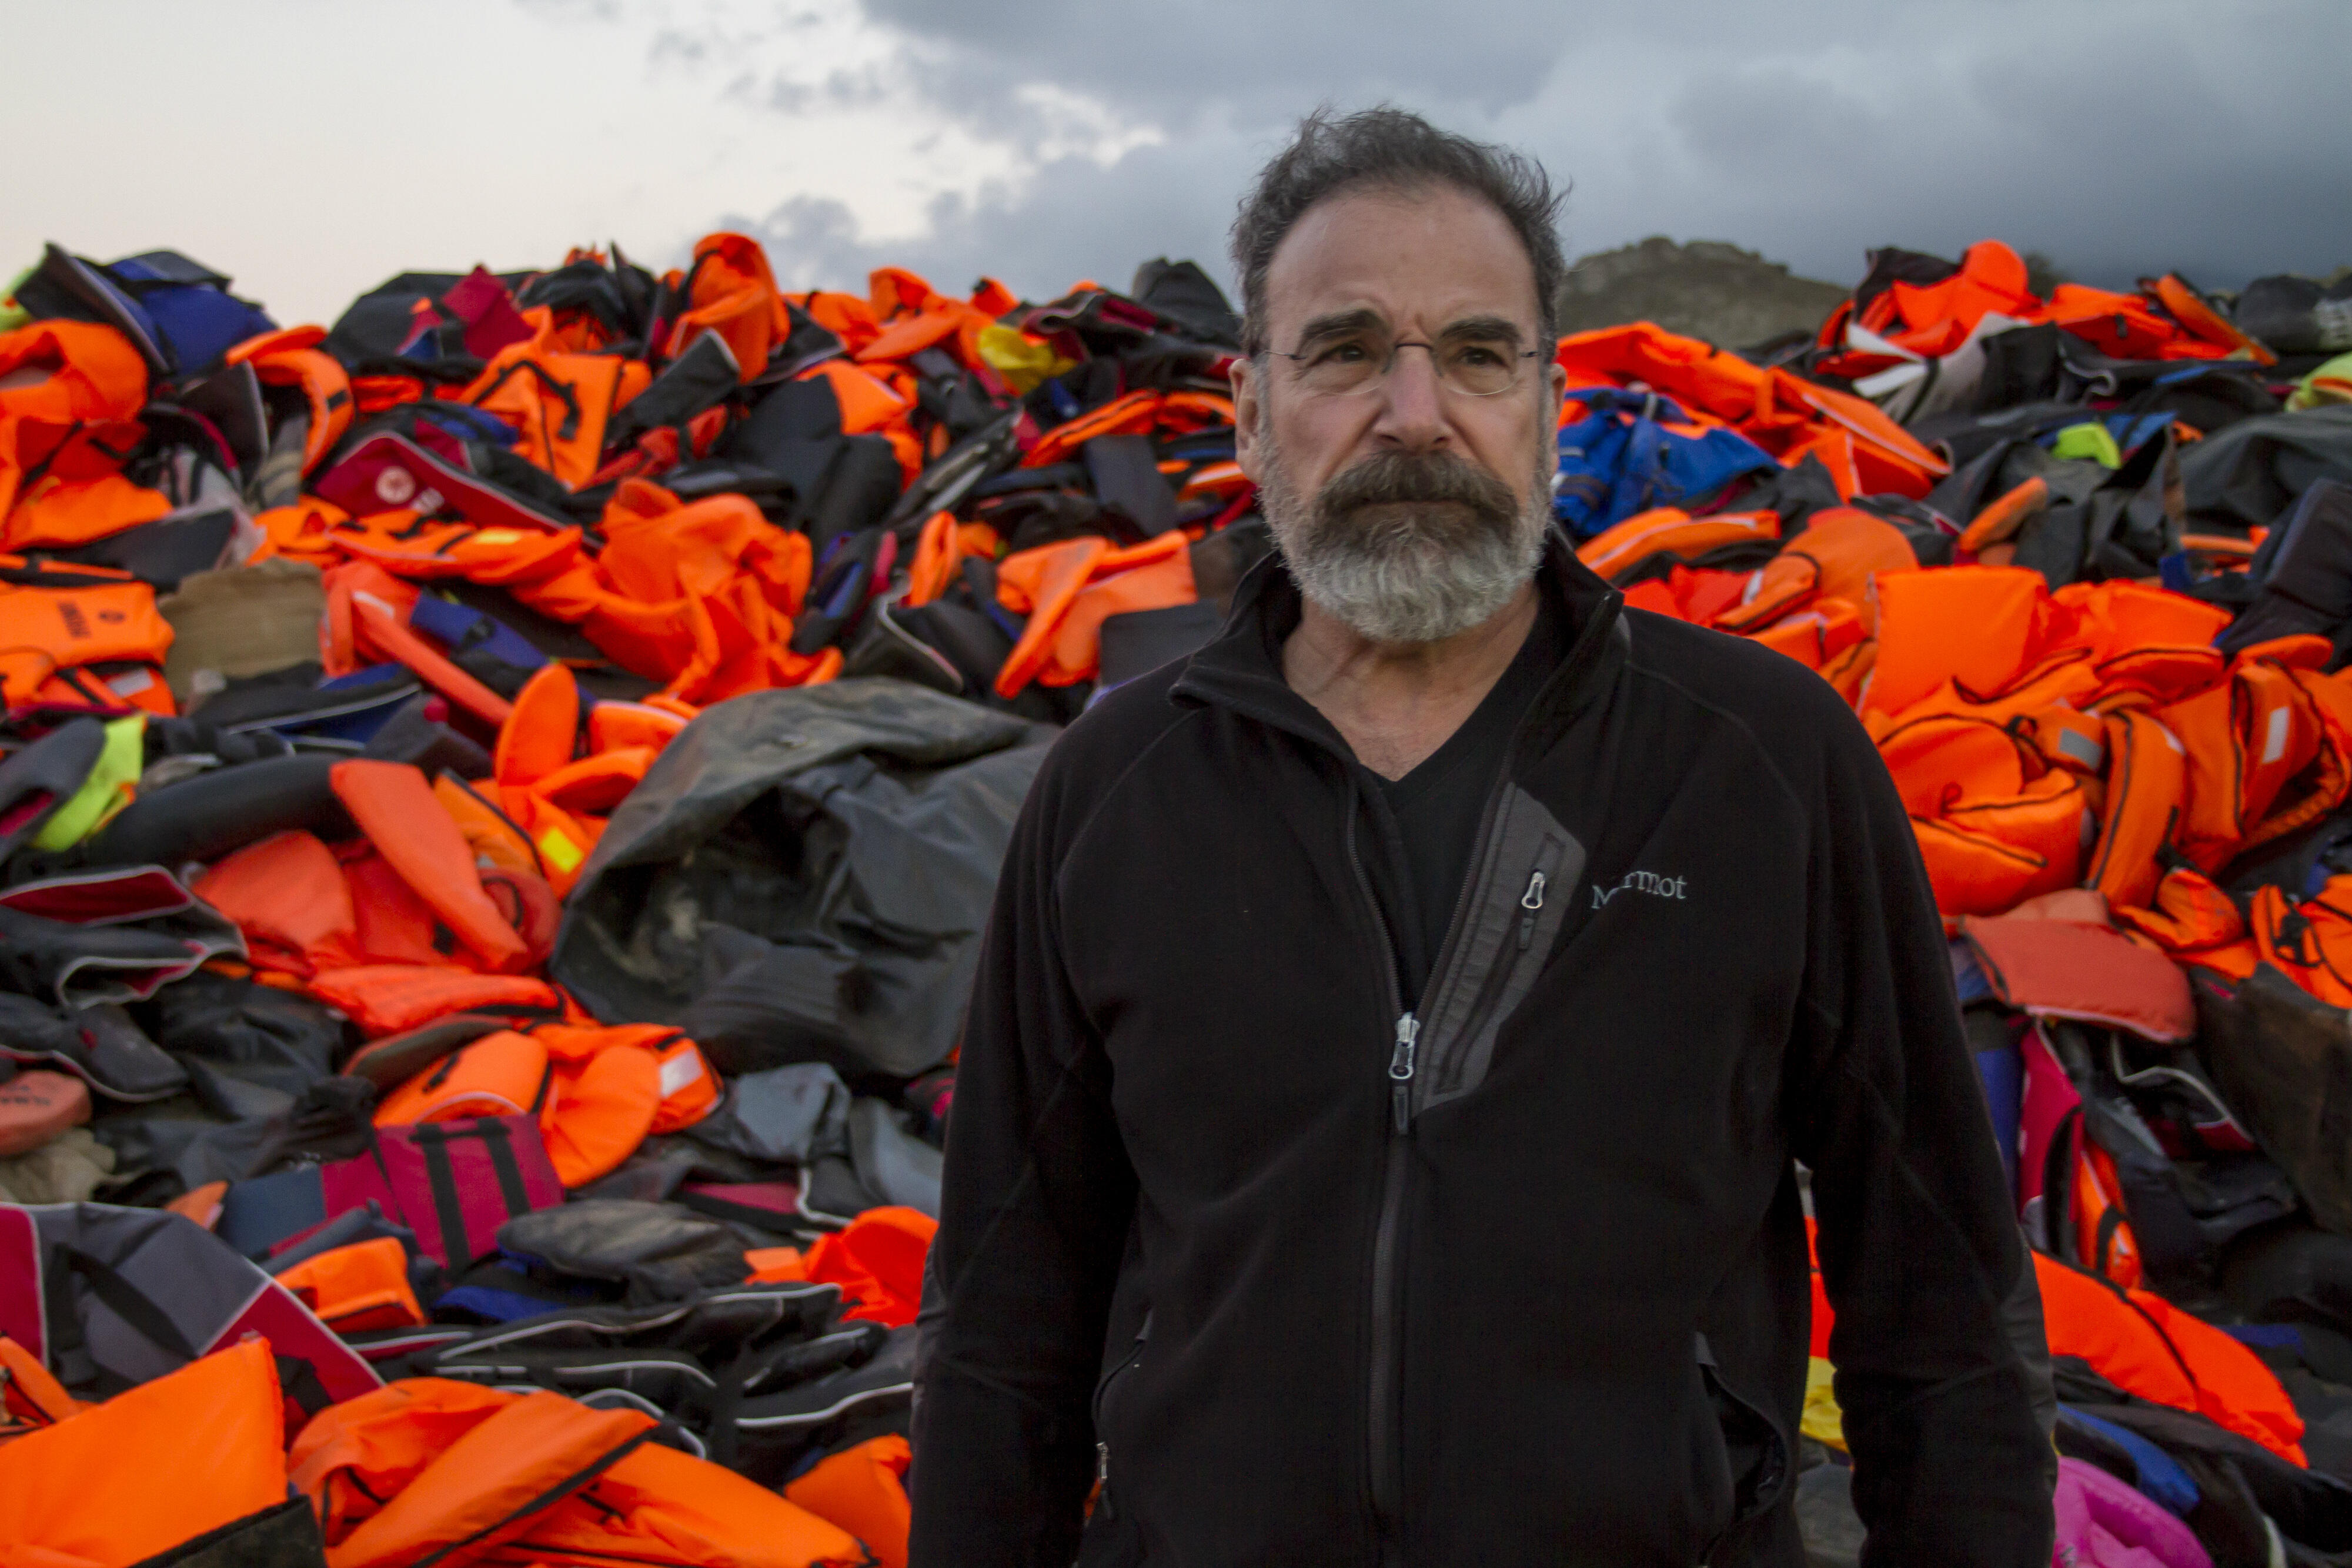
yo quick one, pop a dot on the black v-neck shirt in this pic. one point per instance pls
(1438, 805)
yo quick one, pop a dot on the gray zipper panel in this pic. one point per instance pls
(1518, 896)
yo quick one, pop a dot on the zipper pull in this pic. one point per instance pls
(1531, 901)
(1408, 1029)
(1102, 1481)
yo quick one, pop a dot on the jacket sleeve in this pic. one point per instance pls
(1037, 1200)
(1919, 1249)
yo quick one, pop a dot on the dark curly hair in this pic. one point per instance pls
(1393, 149)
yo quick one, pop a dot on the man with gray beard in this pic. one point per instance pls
(1400, 1023)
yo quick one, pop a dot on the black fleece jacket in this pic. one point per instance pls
(1518, 1278)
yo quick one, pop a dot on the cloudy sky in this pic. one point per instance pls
(312, 148)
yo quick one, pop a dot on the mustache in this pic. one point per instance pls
(1402, 479)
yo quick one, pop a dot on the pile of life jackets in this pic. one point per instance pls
(473, 1068)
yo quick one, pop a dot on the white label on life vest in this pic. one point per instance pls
(679, 1071)
(130, 682)
(2274, 740)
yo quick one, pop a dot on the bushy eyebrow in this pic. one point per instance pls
(1339, 324)
(1468, 328)
(1482, 330)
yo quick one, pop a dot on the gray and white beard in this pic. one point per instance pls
(1403, 549)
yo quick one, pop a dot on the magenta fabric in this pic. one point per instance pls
(397, 1176)
(293, 1330)
(2049, 1096)
(2102, 1523)
(20, 1283)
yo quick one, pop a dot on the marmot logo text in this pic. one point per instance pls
(1647, 882)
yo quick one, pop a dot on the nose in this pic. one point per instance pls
(1412, 413)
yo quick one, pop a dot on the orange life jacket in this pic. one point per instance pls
(2247, 740)
(2146, 1346)
(598, 1092)
(68, 393)
(2147, 786)
(1061, 641)
(414, 547)
(561, 840)
(614, 724)
(2104, 1238)
(1149, 576)
(1866, 453)
(1818, 636)
(1700, 595)
(60, 372)
(878, 1261)
(77, 500)
(1839, 555)
(1669, 530)
(2310, 941)
(2188, 308)
(1995, 824)
(291, 357)
(1132, 415)
(602, 1105)
(1958, 636)
(593, 786)
(505, 1073)
(357, 1287)
(542, 732)
(731, 291)
(492, 1483)
(466, 1453)
(287, 893)
(863, 1490)
(700, 595)
(30, 1395)
(938, 549)
(101, 644)
(1934, 319)
(660, 1506)
(299, 531)
(560, 403)
(396, 807)
(2126, 325)
(190, 1452)
(495, 837)
(367, 620)
(354, 1456)
(392, 999)
(2147, 644)
(2192, 921)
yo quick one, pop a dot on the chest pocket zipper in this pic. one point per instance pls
(1102, 1445)
(1511, 973)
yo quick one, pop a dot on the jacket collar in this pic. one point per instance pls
(1240, 669)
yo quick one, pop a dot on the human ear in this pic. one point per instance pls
(1555, 389)
(1243, 376)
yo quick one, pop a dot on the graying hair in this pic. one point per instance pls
(1388, 148)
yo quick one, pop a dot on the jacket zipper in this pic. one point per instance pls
(1387, 1454)
(1408, 1029)
(1532, 901)
(1102, 1445)
(1386, 1459)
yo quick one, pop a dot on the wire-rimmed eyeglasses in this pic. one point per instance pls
(1344, 365)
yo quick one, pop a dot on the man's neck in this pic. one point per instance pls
(1396, 703)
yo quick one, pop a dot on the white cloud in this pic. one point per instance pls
(312, 151)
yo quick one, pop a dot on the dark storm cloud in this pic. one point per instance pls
(1075, 219)
(2118, 138)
